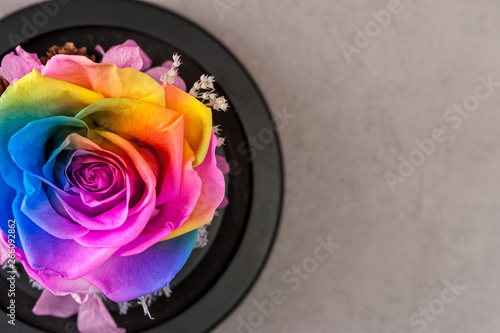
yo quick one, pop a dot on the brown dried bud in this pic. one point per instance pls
(68, 48)
(3, 85)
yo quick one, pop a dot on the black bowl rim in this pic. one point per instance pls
(267, 164)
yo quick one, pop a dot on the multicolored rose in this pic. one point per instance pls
(107, 173)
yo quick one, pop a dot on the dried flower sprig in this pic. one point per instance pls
(169, 77)
(204, 89)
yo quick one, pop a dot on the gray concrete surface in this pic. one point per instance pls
(356, 119)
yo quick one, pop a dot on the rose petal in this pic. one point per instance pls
(156, 127)
(7, 196)
(157, 72)
(54, 283)
(37, 208)
(212, 193)
(171, 214)
(28, 149)
(197, 120)
(31, 98)
(63, 257)
(136, 222)
(106, 78)
(125, 278)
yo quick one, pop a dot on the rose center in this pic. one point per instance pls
(92, 176)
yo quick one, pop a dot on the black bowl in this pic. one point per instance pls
(217, 277)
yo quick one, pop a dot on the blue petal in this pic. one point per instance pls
(31, 146)
(7, 196)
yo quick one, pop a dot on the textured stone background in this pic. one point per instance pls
(353, 123)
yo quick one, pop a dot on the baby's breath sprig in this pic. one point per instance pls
(216, 129)
(204, 89)
(221, 141)
(169, 77)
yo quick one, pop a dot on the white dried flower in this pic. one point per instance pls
(124, 306)
(36, 285)
(220, 141)
(204, 90)
(202, 239)
(167, 291)
(145, 306)
(169, 77)
(216, 129)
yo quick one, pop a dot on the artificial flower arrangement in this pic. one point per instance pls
(108, 171)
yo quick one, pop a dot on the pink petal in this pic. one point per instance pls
(80, 298)
(52, 282)
(30, 58)
(93, 317)
(157, 72)
(99, 49)
(147, 60)
(222, 164)
(224, 203)
(128, 54)
(170, 215)
(211, 196)
(58, 306)
(15, 67)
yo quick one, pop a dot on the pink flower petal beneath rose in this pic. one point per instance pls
(224, 203)
(58, 306)
(80, 298)
(15, 67)
(222, 164)
(94, 317)
(30, 58)
(128, 54)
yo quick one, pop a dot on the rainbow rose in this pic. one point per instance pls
(106, 172)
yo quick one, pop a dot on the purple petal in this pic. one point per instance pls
(147, 60)
(15, 67)
(94, 317)
(58, 306)
(222, 164)
(128, 54)
(125, 278)
(30, 58)
(60, 257)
